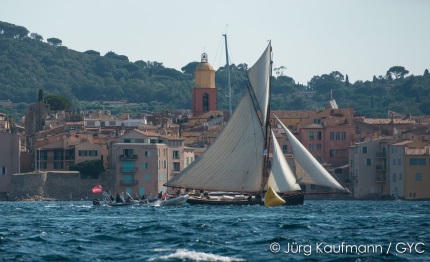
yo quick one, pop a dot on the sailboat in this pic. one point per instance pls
(234, 169)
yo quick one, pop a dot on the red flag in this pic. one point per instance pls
(97, 189)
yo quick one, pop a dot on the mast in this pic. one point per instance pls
(228, 73)
(267, 126)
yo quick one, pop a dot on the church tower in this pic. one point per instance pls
(204, 95)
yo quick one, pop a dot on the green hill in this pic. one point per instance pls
(28, 64)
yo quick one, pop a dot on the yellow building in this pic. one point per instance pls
(417, 172)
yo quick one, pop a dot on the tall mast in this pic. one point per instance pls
(228, 73)
(267, 126)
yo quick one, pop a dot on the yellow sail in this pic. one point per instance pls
(272, 199)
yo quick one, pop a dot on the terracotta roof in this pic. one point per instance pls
(292, 113)
(335, 121)
(386, 121)
(153, 134)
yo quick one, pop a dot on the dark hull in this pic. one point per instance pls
(293, 199)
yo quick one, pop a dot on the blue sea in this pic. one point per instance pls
(316, 231)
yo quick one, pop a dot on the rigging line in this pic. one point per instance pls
(216, 54)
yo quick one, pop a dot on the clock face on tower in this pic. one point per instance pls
(204, 58)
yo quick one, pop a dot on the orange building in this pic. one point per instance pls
(204, 94)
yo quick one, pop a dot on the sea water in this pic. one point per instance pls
(316, 231)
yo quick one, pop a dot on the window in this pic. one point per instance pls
(311, 146)
(332, 153)
(42, 165)
(147, 153)
(364, 150)
(127, 140)
(331, 135)
(394, 178)
(284, 149)
(319, 147)
(337, 135)
(319, 135)
(128, 152)
(399, 162)
(400, 176)
(188, 160)
(418, 177)
(343, 135)
(311, 135)
(417, 161)
(58, 165)
(92, 152)
(205, 102)
(394, 162)
(91, 123)
(145, 165)
(147, 177)
(175, 154)
(368, 162)
(83, 153)
(3, 170)
(176, 166)
(58, 155)
(127, 166)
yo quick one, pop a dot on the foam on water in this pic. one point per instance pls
(184, 254)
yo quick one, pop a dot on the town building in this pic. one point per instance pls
(9, 160)
(144, 161)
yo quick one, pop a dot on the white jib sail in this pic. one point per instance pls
(259, 77)
(281, 178)
(234, 161)
(309, 164)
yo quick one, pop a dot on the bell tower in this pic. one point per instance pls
(204, 94)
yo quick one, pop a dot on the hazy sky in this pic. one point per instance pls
(358, 38)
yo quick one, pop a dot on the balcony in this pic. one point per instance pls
(381, 155)
(128, 182)
(380, 179)
(128, 170)
(128, 157)
(380, 168)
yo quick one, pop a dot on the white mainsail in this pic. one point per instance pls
(259, 77)
(281, 177)
(234, 162)
(309, 170)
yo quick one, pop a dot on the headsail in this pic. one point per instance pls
(309, 164)
(281, 177)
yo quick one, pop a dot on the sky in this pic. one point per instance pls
(309, 37)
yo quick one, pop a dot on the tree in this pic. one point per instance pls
(57, 102)
(89, 168)
(54, 41)
(190, 68)
(396, 72)
(36, 36)
(347, 80)
(426, 72)
(280, 70)
(40, 95)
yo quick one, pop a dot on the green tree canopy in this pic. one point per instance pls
(57, 102)
(396, 72)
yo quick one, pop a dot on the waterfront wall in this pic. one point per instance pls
(59, 185)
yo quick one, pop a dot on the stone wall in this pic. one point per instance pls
(59, 185)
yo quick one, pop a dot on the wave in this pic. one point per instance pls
(184, 254)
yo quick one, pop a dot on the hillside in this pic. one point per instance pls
(28, 64)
